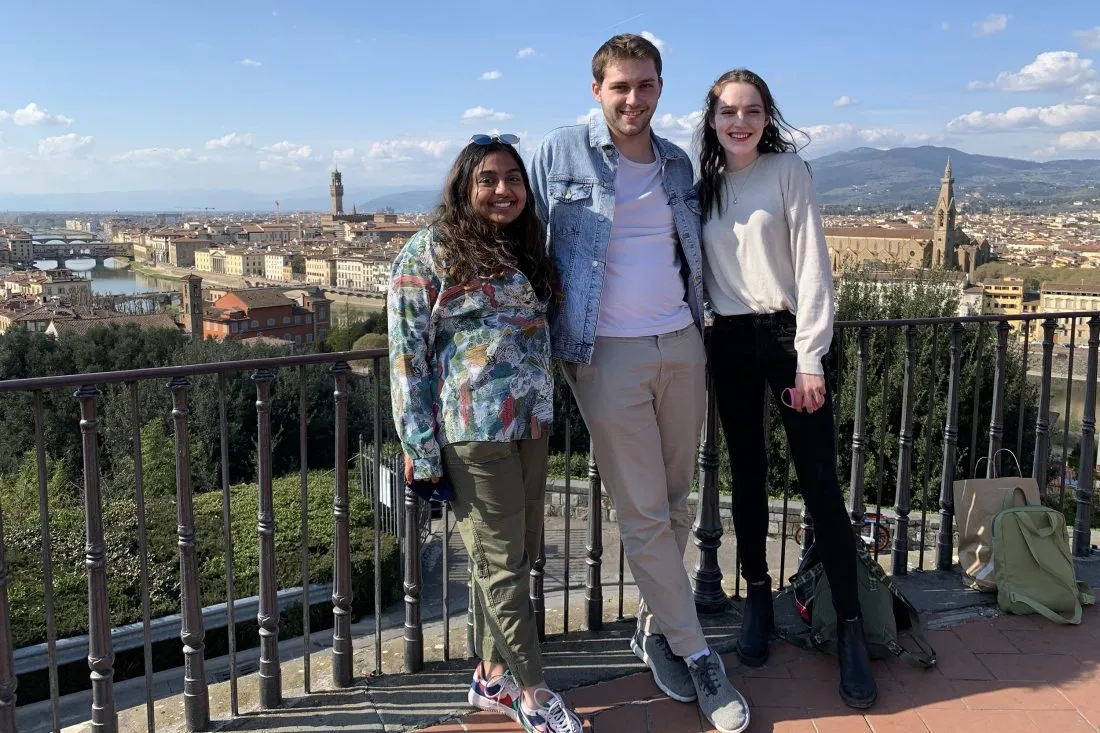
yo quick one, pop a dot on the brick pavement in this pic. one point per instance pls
(1003, 674)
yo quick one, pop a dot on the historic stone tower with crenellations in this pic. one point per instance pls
(336, 190)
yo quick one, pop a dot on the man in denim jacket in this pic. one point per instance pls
(623, 229)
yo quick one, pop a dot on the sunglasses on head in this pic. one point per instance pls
(507, 138)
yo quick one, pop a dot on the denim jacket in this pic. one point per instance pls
(469, 360)
(573, 178)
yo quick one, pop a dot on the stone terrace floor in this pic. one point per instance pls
(1003, 674)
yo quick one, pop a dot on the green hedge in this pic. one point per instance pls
(24, 555)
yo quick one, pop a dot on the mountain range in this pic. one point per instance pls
(865, 177)
(911, 176)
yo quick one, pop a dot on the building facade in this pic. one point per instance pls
(944, 246)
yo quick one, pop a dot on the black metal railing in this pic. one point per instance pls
(860, 373)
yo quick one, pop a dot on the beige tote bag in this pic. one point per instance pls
(977, 500)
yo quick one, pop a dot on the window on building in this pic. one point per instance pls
(309, 338)
(255, 324)
(298, 340)
(286, 320)
(297, 320)
(234, 327)
(309, 319)
(270, 322)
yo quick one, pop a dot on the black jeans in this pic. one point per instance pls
(748, 352)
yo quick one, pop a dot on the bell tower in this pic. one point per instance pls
(943, 223)
(336, 191)
(192, 307)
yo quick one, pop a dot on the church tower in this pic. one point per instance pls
(943, 223)
(192, 310)
(336, 190)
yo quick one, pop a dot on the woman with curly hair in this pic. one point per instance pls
(472, 393)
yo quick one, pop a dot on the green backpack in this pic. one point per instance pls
(886, 612)
(1032, 563)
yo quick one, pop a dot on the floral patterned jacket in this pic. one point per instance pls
(469, 361)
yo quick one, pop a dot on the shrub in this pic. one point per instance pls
(24, 554)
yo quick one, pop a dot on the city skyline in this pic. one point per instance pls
(262, 96)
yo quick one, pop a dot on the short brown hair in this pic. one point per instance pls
(624, 46)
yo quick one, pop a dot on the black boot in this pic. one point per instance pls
(757, 623)
(857, 682)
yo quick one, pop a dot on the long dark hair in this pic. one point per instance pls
(470, 246)
(778, 137)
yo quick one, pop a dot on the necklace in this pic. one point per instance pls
(737, 193)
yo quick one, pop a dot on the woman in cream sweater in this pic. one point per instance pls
(766, 270)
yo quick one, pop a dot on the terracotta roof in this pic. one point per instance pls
(1071, 289)
(263, 298)
(879, 233)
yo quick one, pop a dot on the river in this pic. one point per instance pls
(110, 279)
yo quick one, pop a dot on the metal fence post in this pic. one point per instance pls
(196, 700)
(996, 421)
(944, 542)
(8, 681)
(593, 583)
(900, 550)
(1041, 460)
(859, 442)
(101, 655)
(1086, 473)
(271, 692)
(706, 577)
(341, 571)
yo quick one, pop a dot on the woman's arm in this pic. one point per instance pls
(812, 270)
(414, 286)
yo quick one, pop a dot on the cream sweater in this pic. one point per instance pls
(766, 252)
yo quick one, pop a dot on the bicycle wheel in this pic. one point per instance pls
(882, 537)
(798, 535)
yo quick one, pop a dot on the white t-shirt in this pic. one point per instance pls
(643, 292)
(766, 252)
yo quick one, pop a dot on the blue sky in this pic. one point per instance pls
(264, 96)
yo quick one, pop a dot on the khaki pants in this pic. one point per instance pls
(644, 400)
(499, 493)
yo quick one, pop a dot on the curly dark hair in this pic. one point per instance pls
(470, 246)
(778, 137)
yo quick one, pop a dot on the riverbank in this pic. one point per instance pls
(153, 272)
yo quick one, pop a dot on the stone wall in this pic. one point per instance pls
(555, 507)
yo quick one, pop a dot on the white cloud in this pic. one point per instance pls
(993, 23)
(525, 53)
(288, 151)
(1080, 140)
(63, 146)
(945, 26)
(844, 101)
(490, 75)
(1051, 70)
(344, 155)
(32, 114)
(669, 124)
(1089, 39)
(399, 150)
(232, 140)
(593, 112)
(661, 45)
(484, 113)
(837, 136)
(250, 62)
(154, 156)
(1057, 116)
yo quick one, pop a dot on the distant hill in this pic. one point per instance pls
(866, 176)
(410, 201)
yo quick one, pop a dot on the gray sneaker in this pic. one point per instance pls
(669, 671)
(719, 700)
